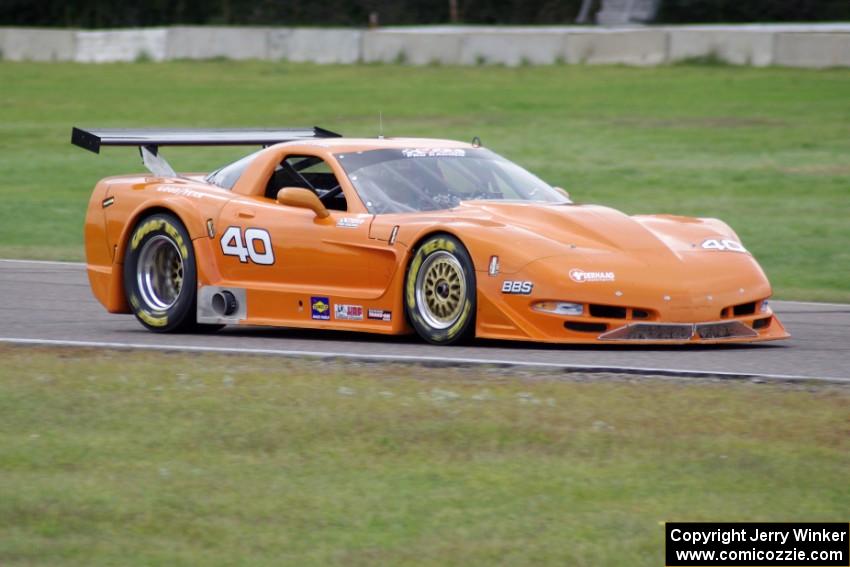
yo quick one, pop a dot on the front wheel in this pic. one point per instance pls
(160, 279)
(440, 291)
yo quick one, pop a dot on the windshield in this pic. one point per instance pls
(409, 180)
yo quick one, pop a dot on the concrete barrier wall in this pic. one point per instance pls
(798, 45)
(518, 47)
(307, 45)
(31, 44)
(209, 42)
(411, 48)
(628, 47)
(735, 46)
(795, 49)
(121, 45)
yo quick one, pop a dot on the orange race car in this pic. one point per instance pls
(391, 236)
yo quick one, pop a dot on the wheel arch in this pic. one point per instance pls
(147, 210)
(411, 255)
(116, 302)
(179, 314)
(425, 235)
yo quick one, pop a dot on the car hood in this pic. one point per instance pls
(596, 252)
(589, 227)
(600, 237)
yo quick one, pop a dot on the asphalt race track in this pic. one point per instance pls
(50, 303)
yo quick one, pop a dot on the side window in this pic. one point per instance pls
(227, 176)
(309, 172)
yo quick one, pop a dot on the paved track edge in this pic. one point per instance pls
(432, 361)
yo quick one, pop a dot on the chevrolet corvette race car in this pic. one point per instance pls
(394, 236)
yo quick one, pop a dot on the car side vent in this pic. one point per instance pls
(761, 323)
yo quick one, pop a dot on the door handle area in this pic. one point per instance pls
(245, 214)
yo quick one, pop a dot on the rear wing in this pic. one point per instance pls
(93, 139)
(148, 140)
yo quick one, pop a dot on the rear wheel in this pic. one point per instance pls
(160, 278)
(440, 291)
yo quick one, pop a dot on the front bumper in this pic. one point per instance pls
(628, 312)
(528, 325)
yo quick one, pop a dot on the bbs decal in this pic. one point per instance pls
(729, 245)
(256, 245)
(517, 287)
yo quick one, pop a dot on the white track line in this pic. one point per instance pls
(45, 262)
(811, 303)
(82, 265)
(436, 360)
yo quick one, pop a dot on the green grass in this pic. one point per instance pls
(127, 459)
(767, 150)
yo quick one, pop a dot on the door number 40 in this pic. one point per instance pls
(730, 245)
(257, 245)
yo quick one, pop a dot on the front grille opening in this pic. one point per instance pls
(586, 327)
(640, 314)
(607, 311)
(651, 332)
(744, 309)
(727, 330)
(761, 323)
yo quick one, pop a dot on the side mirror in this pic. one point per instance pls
(302, 198)
(564, 191)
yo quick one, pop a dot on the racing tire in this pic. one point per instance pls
(440, 291)
(160, 277)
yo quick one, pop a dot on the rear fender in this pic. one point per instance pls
(112, 289)
(185, 210)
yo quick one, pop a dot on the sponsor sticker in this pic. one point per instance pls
(182, 191)
(320, 308)
(349, 222)
(517, 287)
(433, 152)
(580, 276)
(348, 312)
(380, 315)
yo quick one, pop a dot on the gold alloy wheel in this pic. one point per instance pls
(440, 290)
(160, 273)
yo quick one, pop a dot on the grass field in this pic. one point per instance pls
(767, 150)
(127, 459)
